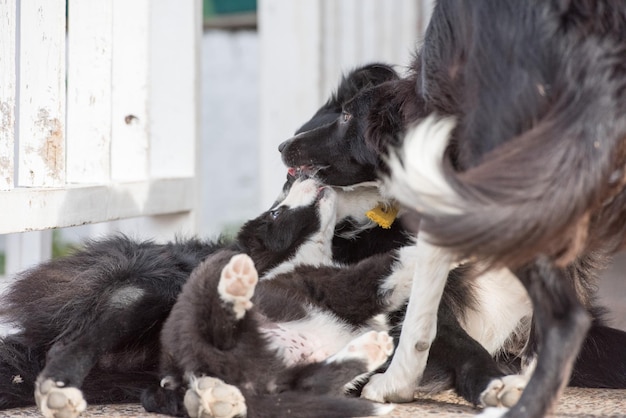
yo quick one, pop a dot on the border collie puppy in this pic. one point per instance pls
(519, 164)
(361, 128)
(89, 324)
(288, 341)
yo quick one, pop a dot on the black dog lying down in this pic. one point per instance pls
(345, 143)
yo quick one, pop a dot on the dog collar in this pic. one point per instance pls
(383, 214)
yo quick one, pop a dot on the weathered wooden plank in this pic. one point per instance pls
(89, 90)
(8, 22)
(41, 122)
(130, 90)
(34, 209)
(174, 86)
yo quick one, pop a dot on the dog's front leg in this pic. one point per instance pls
(419, 328)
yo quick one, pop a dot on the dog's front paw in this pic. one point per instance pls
(56, 401)
(237, 283)
(385, 388)
(209, 397)
(505, 391)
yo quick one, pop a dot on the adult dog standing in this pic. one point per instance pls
(520, 164)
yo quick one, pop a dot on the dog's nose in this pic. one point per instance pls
(282, 146)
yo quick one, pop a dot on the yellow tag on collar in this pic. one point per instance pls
(383, 215)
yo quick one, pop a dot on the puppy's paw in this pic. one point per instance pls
(56, 401)
(504, 392)
(385, 387)
(237, 283)
(374, 347)
(209, 397)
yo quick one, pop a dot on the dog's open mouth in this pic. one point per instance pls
(303, 170)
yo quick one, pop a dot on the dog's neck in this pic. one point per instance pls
(357, 204)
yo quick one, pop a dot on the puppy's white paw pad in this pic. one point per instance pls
(56, 401)
(374, 346)
(209, 397)
(504, 392)
(513, 388)
(237, 283)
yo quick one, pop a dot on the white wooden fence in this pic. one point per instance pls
(99, 109)
(99, 103)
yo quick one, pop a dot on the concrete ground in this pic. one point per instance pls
(575, 403)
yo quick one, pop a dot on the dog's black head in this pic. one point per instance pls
(305, 213)
(332, 144)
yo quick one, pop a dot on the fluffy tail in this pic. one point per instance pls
(19, 367)
(532, 194)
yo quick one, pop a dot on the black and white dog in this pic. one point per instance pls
(288, 341)
(362, 129)
(520, 163)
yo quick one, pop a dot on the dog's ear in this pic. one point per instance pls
(364, 77)
(372, 75)
(384, 121)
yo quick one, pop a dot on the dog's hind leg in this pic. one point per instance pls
(419, 328)
(561, 325)
(205, 338)
(117, 325)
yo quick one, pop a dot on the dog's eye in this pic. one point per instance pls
(345, 116)
(275, 213)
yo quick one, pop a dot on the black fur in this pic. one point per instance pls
(71, 328)
(536, 160)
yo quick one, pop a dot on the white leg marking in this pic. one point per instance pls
(398, 383)
(210, 397)
(56, 401)
(237, 283)
(397, 286)
(504, 392)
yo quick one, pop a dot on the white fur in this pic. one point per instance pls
(493, 412)
(126, 296)
(417, 179)
(502, 307)
(323, 333)
(355, 202)
(398, 383)
(317, 251)
(397, 286)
